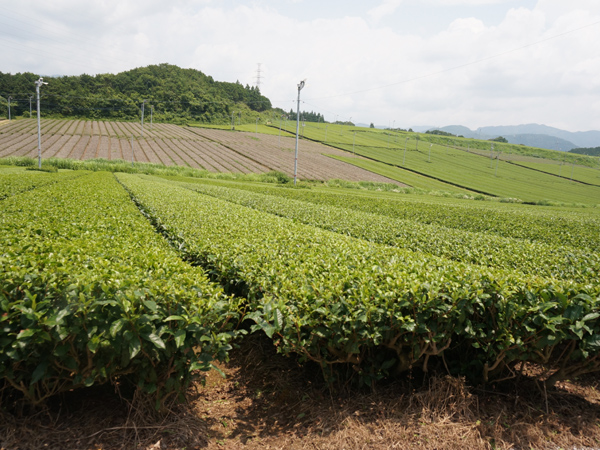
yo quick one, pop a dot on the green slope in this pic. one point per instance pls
(453, 165)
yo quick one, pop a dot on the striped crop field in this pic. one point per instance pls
(504, 170)
(209, 149)
(154, 283)
(333, 277)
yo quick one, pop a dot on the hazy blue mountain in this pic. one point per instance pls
(579, 138)
(459, 130)
(533, 135)
(540, 141)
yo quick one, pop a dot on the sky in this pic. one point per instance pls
(399, 63)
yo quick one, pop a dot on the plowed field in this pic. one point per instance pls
(209, 149)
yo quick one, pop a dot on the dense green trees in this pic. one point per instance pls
(595, 151)
(175, 94)
(307, 116)
(440, 133)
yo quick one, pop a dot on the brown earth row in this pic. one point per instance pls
(168, 144)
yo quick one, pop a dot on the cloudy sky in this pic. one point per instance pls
(391, 62)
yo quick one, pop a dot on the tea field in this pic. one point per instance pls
(495, 169)
(148, 280)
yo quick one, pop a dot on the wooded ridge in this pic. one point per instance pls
(172, 93)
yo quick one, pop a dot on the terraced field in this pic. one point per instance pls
(212, 150)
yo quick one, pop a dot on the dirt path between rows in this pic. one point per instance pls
(268, 401)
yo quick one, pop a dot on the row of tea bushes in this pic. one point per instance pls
(491, 250)
(90, 293)
(336, 300)
(577, 229)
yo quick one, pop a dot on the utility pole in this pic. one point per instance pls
(151, 114)
(497, 161)
(9, 98)
(39, 83)
(300, 86)
(256, 129)
(30, 98)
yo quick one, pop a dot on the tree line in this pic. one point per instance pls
(593, 151)
(172, 93)
(306, 116)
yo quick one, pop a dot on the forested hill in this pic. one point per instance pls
(175, 94)
(595, 151)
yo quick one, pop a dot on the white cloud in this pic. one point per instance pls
(528, 66)
(468, 2)
(385, 8)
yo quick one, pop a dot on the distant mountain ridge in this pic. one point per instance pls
(534, 135)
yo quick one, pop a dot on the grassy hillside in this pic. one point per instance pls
(344, 135)
(327, 151)
(468, 164)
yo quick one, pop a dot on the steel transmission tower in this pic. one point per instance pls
(258, 75)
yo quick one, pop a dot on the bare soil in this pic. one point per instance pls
(269, 401)
(213, 150)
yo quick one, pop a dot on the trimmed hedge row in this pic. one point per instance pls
(15, 183)
(490, 250)
(537, 224)
(335, 299)
(90, 293)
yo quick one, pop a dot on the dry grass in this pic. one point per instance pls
(269, 402)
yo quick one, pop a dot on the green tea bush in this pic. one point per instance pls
(337, 300)
(89, 294)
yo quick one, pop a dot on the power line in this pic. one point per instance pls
(259, 76)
